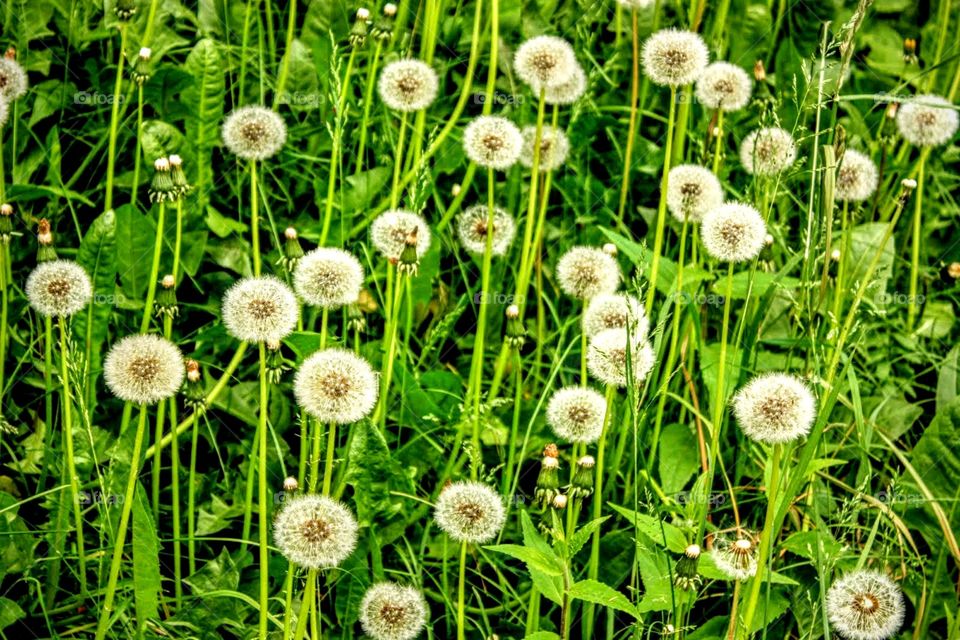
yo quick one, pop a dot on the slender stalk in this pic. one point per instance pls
(139, 144)
(632, 126)
(106, 610)
(765, 539)
(154, 269)
(336, 157)
(191, 494)
(593, 569)
(285, 61)
(262, 496)
(367, 101)
(115, 120)
(394, 290)
(662, 208)
(398, 163)
(330, 454)
(306, 604)
(71, 461)
(527, 250)
(4, 301)
(461, 593)
(255, 218)
(917, 230)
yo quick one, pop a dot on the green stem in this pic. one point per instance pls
(597, 505)
(461, 593)
(154, 269)
(398, 163)
(106, 610)
(136, 154)
(329, 456)
(115, 120)
(662, 208)
(914, 308)
(191, 495)
(262, 497)
(255, 218)
(71, 462)
(306, 604)
(336, 156)
(285, 61)
(632, 126)
(765, 539)
(367, 101)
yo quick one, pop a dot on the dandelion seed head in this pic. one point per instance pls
(472, 225)
(554, 147)
(13, 80)
(254, 133)
(673, 58)
(336, 386)
(144, 369)
(544, 61)
(767, 152)
(568, 92)
(328, 278)
(615, 311)
(390, 611)
(492, 142)
(857, 177)
(390, 230)
(775, 408)
(314, 531)
(612, 352)
(635, 5)
(585, 272)
(470, 512)
(927, 121)
(736, 557)
(865, 605)
(260, 309)
(733, 232)
(58, 288)
(724, 86)
(408, 85)
(576, 414)
(692, 191)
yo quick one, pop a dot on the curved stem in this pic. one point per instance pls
(662, 208)
(367, 101)
(765, 539)
(597, 504)
(154, 269)
(71, 462)
(914, 308)
(632, 126)
(115, 120)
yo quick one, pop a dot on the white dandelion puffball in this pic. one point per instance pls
(585, 272)
(767, 152)
(58, 288)
(144, 369)
(13, 80)
(390, 611)
(775, 408)
(635, 5)
(492, 142)
(611, 353)
(568, 92)
(554, 147)
(472, 225)
(615, 311)
(692, 191)
(724, 86)
(737, 559)
(4, 112)
(544, 61)
(576, 414)
(865, 605)
(314, 531)
(857, 177)
(328, 278)
(470, 512)
(927, 121)
(254, 133)
(674, 58)
(733, 232)
(336, 386)
(390, 230)
(260, 309)
(408, 85)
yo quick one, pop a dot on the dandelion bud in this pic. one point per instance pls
(180, 184)
(835, 255)
(383, 28)
(907, 185)
(910, 51)
(355, 318)
(687, 577)
(455, 190)
(759, 72)
(6, 225)
(516, 335)
(161, 188)
(551, 451)
(140, 71)
(125, 9)
(194, 396)
(768, 240)
(390, 9)
(891, 111)
(292, 251)
(581, 485)
(865, 605)
(736, 558)
(409, 262)
(358, 32)
(548, 482)
(610, 249)
(167, 298)
(559, 502)
(953, 270)
(45, 251)
(290, 484)
(276, 365)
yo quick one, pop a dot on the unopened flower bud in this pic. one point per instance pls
(516, 335)
(953, 270)
(358, 32)
(383, 28)
(581, 486)
(180, 184)
(759, 72)
(167, 298)
(140, 70)
(548, 482)
(559, 501)
(6, 224)
(45, 251)
(768, 240)
(610, 249)
(687, 577)
(125, 9)
(194, 392)
(455, 189)
(835, 255)
(292, 251)
(290, 484)
(161, 187)
(409, 262)
(276, 365)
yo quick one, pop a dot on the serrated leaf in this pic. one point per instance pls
(605, 595)
(651, 527)
(146, 559)
(98, 255)
(205, 97)
(583, 534)
(533, 558)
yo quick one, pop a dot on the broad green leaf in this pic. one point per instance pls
(679, 457)
(146, 559)
(599, 593)
(205, 98)
(550, 565)
(672, 537)
(583, 534)
(947, 379)
(10, 612)
(98, 255)
(135, 236)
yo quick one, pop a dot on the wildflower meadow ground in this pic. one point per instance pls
(479, 319)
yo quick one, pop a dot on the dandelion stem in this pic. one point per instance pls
(461, 593)
(330, 454)
(632, 126)
(398, 162)
(139, 144)
(68, 442)
(662, 208)
(262, 497)
(154, 269)
(254, 218)
(597, 504)
(106, 611)
(367, 101)
(917, 229)
(306, 604)
(765, 539)
(115, 120)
